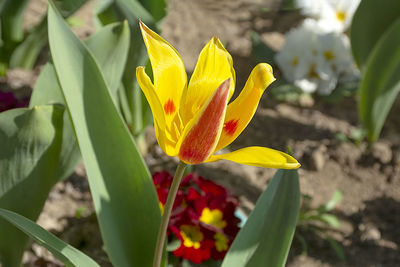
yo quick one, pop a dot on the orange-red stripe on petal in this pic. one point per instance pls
(201, 140)
(169, 107)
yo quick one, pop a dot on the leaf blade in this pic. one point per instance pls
(30, 141)
(365, 32)
(266, 237)
(119, 180)
(380, 82)
(69, 255)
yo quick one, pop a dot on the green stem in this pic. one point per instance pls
(167, 213)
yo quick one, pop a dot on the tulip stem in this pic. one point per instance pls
(167, 213)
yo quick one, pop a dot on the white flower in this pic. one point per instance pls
(298, 53)
(315, 60)
(334, 48)
(331, 15)
(312, 8)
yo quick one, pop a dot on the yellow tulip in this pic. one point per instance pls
(193, 121)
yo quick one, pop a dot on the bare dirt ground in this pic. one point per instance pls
(368, 177)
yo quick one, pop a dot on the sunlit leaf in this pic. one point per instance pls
(30, 142)
(110, 47)
(61, 250)
(123, 193)
(266, 237)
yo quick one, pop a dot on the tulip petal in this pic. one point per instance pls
(259, 156)
(201, 134)
(168, 71)
(159, 119)
(213, 67)
(242, 109)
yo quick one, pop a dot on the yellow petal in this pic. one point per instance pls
(259, 156)
(159, 120)
(242, 109)
(201, 134)
(168, 71)
(213, 67)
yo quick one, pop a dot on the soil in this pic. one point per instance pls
(368, 177)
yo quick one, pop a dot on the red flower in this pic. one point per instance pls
(202, 218)
(196, 242)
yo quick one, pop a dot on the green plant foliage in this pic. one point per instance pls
(114, 41)
(61, 250)
(260, 52)
(370, 22)
(30, 141)
(26, 53)
(123, 193)
(110, 46)
(19, 49)
(132, 103)
(266, 237)
(380, 82)
(319, 221)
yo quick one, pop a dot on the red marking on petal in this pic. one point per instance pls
(200, 142)
(230, 127)
(169, 107)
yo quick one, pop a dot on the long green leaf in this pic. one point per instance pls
(380, 82)
(67, 254)
(110, 47)
(12, 17)
(266, 237)
(30, 141)
(26, 53)
(122, 190)
(114, 39)
(370, 21)
(48, 91)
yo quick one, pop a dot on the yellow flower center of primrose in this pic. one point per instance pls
(312, 73)
(295, 61)
(192, 236)
(341, 15)
(221, 242)
(213, 217)
(161, 206)
(329, 55)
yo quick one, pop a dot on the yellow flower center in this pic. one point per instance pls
(192, 236)
(221, 242)
(329, 55)
(161, 206)
(295, 61)
(341, 15)
(213, 217)
(312, 73)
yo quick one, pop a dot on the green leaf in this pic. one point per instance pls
(12, 17)
(114, 39)
(380, 82)
(123, 193)
(110, 47)
(260, 52)
(67, 254)
(366, 30)
(336, 198)
(266, 237)
(30, 141)
(48, 91)
(26, 53)
(337, 248)
(329, 219)
(157, 8)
